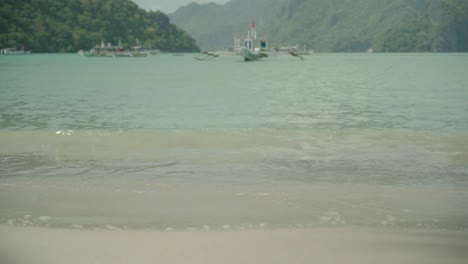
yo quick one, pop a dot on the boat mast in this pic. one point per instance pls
(249, 42)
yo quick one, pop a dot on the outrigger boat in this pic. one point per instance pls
(253, 48)
(249, 51)
(105, 50)
(116, 51)
(138, 51)
(14, 51)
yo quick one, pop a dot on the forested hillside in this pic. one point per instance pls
(334, 25)
(71, 25)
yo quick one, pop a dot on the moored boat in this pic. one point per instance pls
(14, 51)
(105, 50)
(138, 51)
(250, 51)
(116, 51)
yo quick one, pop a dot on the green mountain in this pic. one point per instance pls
(333, 25)
(71, 25)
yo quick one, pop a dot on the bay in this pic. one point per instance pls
(171, 142)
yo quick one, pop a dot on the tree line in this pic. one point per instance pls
(72, 25)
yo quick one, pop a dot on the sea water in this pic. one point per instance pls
(168, 142)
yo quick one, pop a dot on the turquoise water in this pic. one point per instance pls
(207, 137)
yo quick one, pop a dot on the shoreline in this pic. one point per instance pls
(39, 245)
(141, 203)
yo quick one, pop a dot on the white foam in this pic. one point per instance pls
(333, 218)
(44, 218)
(389, 221)
(65, 133)
(25, 222)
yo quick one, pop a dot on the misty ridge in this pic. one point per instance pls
(322, 25)
(334, 25)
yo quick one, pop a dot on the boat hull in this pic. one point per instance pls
(124, 54)
(13, 51)
(250, 56)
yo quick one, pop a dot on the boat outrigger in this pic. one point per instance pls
(206, 56)
(294, 54)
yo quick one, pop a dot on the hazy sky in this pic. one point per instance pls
(169, 6)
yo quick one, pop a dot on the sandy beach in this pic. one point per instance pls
(21, 245)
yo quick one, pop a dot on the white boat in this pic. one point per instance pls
(138, 51)
(253, 48)
(116, 51)
(14, 51)
(104, 50)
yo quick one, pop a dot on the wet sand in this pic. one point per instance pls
(24, 245)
